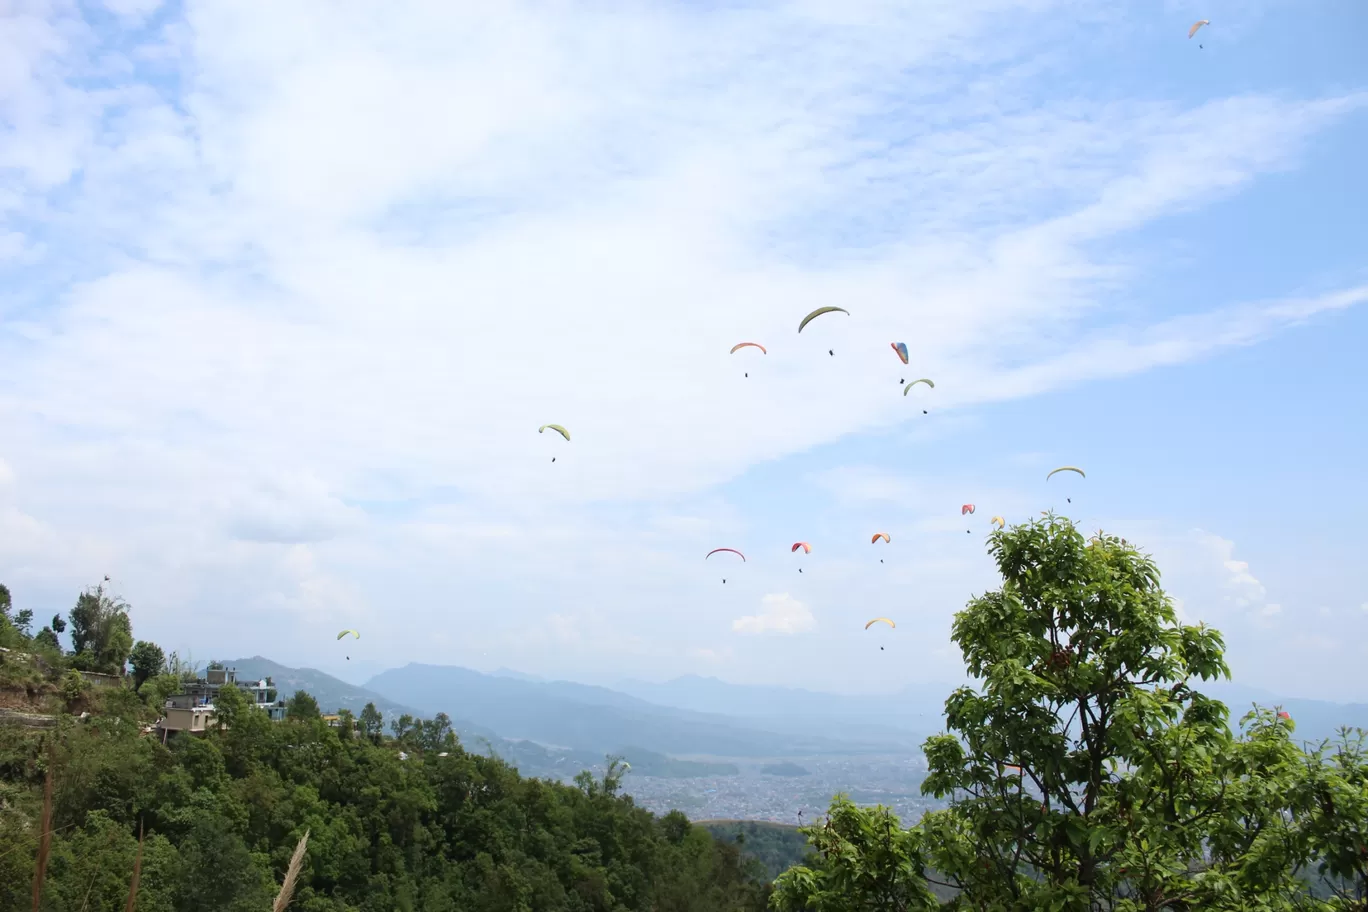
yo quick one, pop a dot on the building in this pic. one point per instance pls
(192, 710)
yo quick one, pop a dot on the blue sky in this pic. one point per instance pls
(286, 291)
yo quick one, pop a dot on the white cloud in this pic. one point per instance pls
(285, 343)
(779, 613)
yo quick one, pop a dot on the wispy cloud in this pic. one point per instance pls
(290, 288)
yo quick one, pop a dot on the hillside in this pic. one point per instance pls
(778, 846)
(529, 757)
(457, 830)
(332, 694)
(585, 717)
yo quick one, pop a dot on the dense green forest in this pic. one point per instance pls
(1085, 771)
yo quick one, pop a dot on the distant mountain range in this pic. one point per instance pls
(556, 728)
(587, 717)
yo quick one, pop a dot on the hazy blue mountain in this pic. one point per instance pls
(1315, 720)
(530, 758)
(587, 717)
(913, 710)
(331, 693)
(919, 709)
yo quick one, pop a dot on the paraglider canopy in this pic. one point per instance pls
(818, 312)
(352, 632)
(1065, 469)
(716, 550)
(1196, 25)
(751, 345)
(997, 521)
(967, 508)
(901, 349)
(557, 428)
(880, 620)
(915, 382)
(879, 535)
(807, 549)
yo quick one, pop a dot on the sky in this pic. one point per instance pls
(287, 289)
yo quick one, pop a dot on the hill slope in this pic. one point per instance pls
(595, 718)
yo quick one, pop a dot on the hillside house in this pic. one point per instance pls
(192, 710)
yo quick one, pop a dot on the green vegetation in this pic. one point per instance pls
(777, 846)
(1086, 772)
(403, 822)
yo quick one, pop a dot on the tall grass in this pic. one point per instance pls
(291, 875)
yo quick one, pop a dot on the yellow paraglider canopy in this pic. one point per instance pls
(1065, 469)
(877, 620)
(818, 312)
(557, 428)
(352, 632)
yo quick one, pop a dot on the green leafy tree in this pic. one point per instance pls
(302, 706)
(866, 861)
(1084, 773)
(1329, 817)
(101, 633)
(47, 641)
(371, 722)
(147, 660)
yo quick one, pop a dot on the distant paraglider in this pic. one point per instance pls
(718, 550)
(998, 521)
(817, 313)
(352, 632)
(967, 508)
(1066, 469)
(740, 345)
(900, 348)
(907, 389)
(1196, 25)
(558, 429)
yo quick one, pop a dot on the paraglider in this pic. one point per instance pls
(900, 348)
(352, 632)
(877, 536)
(1066, 469)
(967, 508)
(907, 389)
(1196, 25)
(998, 521)
(740, 345)
(884, 620)
(559, 430)
(817, 313)
(807, 549)
(732, 550)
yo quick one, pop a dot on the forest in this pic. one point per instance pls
(1085, 770)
